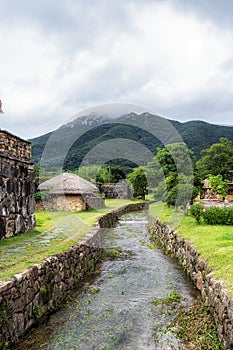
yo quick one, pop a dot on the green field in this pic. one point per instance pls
(55, 233)
(214, 243)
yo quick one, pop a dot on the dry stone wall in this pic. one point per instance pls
(110, 219)
(17, 179)
(93, 202)
(214, 292)
(120, 190)
(30, 295)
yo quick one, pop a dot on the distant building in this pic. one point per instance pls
(230, 192)
(70, 192)
(208, 194)
(207, 190)
(120, 190)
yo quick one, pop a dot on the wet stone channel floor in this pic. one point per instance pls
(115, 311)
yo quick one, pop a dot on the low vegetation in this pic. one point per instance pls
(213, 215)
(196, 211)
(50, 237)
(196, 328)
(173, 297)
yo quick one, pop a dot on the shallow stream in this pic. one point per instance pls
(115, 311)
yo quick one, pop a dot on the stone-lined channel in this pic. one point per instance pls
(115, 311)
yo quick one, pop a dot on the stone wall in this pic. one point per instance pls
(110, 219)
(212, 290)
(39, 290)
(93, 202)
(14, 147)
(17, 202)
(120, 190)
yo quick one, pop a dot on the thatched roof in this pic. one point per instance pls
(67, 183)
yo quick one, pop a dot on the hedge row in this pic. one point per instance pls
(213, 215)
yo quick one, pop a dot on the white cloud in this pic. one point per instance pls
(60, 58)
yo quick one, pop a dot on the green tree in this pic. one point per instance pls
(160, 193)
(217, 159)
(110, 174)
(186, 193)
(139, 182)
(180, 193)
(218, 185)
(88, 172)
(154, 174)
(175, 158)
(176, 162)
(171, 180)
(103, 176)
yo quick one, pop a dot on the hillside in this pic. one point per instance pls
(199, 135)
(82, 134)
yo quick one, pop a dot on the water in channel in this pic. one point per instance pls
(116, 311)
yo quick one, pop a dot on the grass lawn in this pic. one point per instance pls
(214, 243)
(55, 232)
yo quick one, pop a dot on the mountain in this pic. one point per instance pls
(199, 135)
(66, 132)
(67, 146)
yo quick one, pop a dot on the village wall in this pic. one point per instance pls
(120, 190)
(213, 291)
(31, 295)
(93, 202)
(17, 203)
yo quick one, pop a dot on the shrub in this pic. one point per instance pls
(42, 195)
(196, 210)
(218, 216)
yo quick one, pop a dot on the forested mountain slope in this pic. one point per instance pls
(197, 135)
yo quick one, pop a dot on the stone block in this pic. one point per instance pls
(18, 320)
(2, 227)
(19, 224)
(29, 295)
(6, 286)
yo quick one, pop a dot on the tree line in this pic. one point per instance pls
(173, 176)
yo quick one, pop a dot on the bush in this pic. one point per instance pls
(42, 195)
(218, 216)
(196, 210)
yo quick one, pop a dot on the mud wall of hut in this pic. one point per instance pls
(71, 202)
(17, 180)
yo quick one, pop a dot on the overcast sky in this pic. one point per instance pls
(60, 57)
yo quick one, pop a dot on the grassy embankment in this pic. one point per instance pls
(55, 233)
(195, 326)
(214, 243)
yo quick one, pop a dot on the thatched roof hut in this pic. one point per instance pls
(67, 183)
(71, 192)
